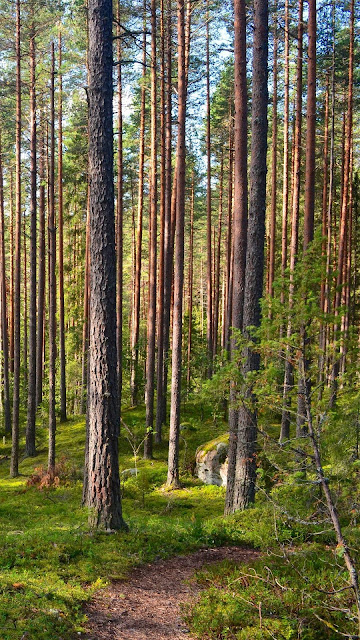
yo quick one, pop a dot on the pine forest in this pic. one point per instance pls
(179, 319)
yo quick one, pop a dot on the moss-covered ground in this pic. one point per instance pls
(51, 562)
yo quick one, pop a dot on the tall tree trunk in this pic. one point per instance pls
(103, 406)
(209, 315)
(240, 221)
(228, 288)
(160, 320)
(4, 327)
(245, 468)
(173, 460)
(191, 282)
(272, 246)
(31, 409)
(168, 231)
(52, 275)
(344, 214)
(11, 251)
(309, 208)
(285, 199)
(151, 321)
(137, 288)
(41, 276)
(14, 464)
(85, 335)
(217, 262)
(62, 354)
(119, 216)
(288, 372)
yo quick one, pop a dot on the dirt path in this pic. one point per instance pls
(147, 606)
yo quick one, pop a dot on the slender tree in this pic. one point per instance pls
(52, 274)
(62, 354)
(151, 320)
(14, 464)
(30, 427)
(3, 312)
(173, 459)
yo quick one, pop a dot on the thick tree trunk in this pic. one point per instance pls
(173, 460)
(103, 466)
(245, 467)
(239, 236)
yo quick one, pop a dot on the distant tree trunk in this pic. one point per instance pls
(63, 414)
(160, 320)
(151, 324)
(191, 282)
(103, 407)
(31, 409)
(41, 277)
(4, 328)
(85, 336)
(217, 262)
(228, 288)
(52, 275)
(285, 199)
(271, 274)
(344, 214)
(288, 373)
(168, 233)
(209, 314)
(119, 216)
(11, 251)
(137, 287)
(245, 466)
(240, 222)
(309, 208)
(25, 304)
(173, 460)
(14, 464)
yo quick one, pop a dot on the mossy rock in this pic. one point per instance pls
(211, 461)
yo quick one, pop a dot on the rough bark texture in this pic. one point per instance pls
(209, 315)
(173, 460)
(245, 468)
(103, 467)
(239, 222)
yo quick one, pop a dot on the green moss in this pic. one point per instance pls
(209, 446)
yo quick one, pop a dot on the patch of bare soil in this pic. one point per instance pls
(148, 605)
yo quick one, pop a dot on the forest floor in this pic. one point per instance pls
(149, 606)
